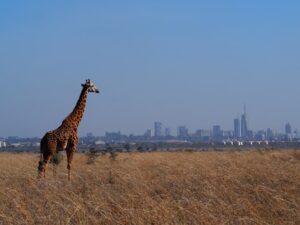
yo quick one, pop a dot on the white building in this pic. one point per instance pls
(2, 144)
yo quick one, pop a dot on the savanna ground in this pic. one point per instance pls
(249, 187)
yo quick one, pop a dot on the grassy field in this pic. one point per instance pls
(251, 187)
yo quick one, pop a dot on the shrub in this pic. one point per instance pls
(127, 147)
(92, 155)
(113, 156)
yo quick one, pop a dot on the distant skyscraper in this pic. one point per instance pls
(217, 132)
(167, 132)
(270, 134)
(158, 129)
(182, 132)
(288, 129)
(237, 128)
(244, 125)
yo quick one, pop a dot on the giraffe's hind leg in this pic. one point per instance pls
(48, 148)
(71, 148)
(45, 162)
(43, 165)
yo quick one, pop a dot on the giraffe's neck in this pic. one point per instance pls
(77, 113)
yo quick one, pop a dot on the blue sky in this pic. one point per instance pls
(192, 63)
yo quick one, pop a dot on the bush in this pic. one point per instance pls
(113, 156)
(92, 155)
(127, 147)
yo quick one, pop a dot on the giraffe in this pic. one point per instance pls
(65, 137)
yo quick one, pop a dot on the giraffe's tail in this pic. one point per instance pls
(41, 162)
(41, 149)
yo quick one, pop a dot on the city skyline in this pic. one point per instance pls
(160, 129)
(239, 130)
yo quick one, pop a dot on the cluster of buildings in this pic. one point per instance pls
(216, 134)
(240, 132)
(14, 142)
(159, 133)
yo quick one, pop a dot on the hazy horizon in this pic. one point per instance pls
(193, 63)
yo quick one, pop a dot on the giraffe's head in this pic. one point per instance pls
(91, 87)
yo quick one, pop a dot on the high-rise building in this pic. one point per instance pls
(217, 132)
(244, 125)
(288, 129)
(182, 132)
(237, 128)
(270, 134)
(158, 129)
(167, 132)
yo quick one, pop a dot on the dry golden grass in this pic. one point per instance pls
(253, 187)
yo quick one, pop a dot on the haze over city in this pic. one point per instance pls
(193, 64)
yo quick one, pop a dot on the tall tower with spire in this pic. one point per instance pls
(244, 125)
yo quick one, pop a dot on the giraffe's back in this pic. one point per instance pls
(55, 140)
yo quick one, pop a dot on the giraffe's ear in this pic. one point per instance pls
(82, 85)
